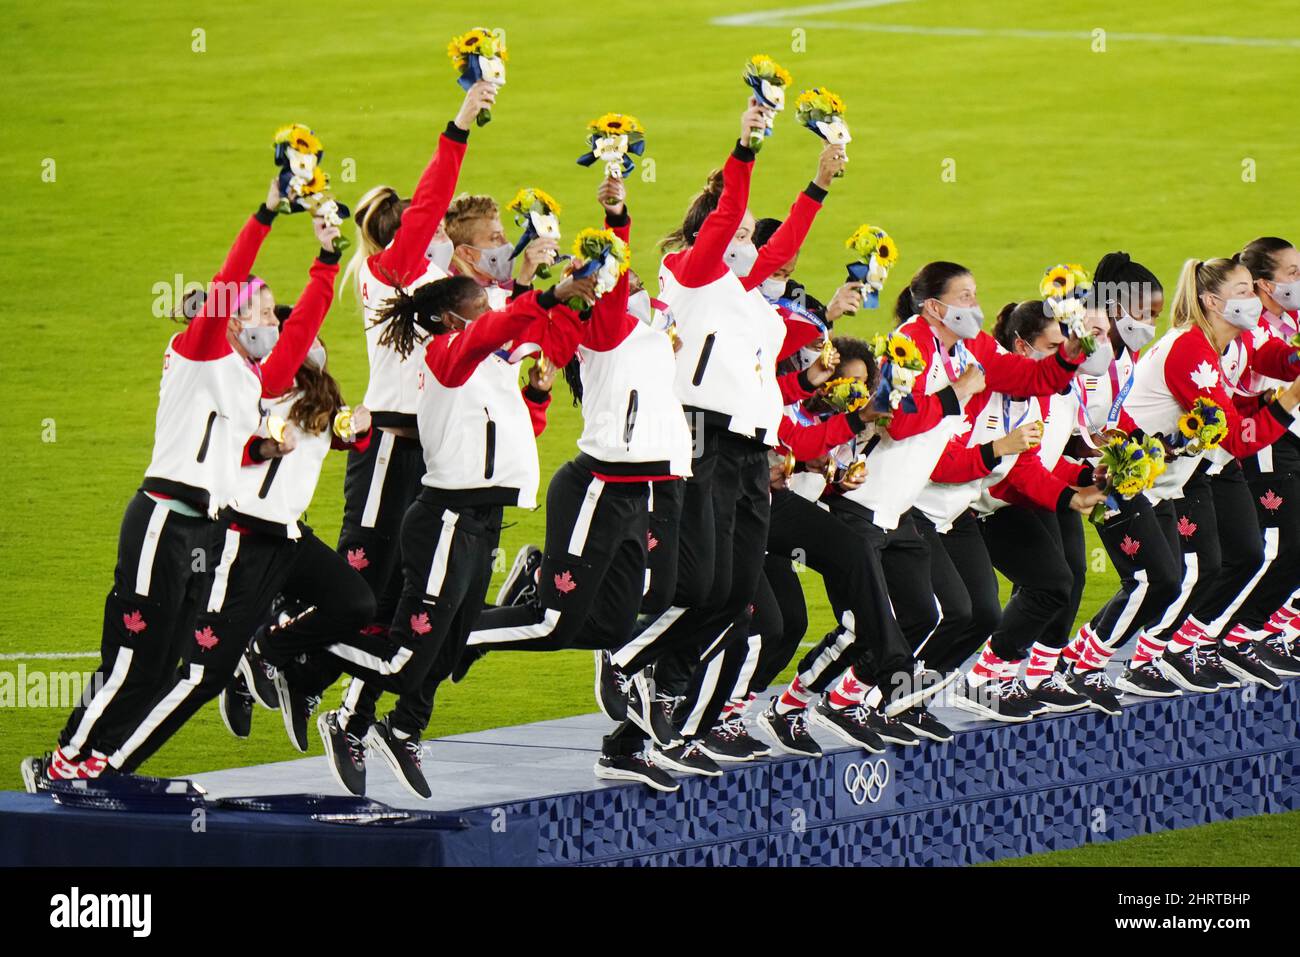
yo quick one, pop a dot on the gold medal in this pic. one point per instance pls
(856, 471)
(343, 424)
(787, 466)
(825, 358)
(275, 428)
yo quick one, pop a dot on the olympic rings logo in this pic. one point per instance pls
(867, 781)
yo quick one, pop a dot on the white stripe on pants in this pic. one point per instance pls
(375, 494)
(582, 524)
(149, 549)
(709, 685)
(182, 690)
(220, 581)
(1272, 542)
(441, 554)
(623, 657)
(103, 698)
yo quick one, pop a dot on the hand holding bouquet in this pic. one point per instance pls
(599, 254)
(876, 254)
(899, 362)
(822, 111)
(1132, 463)
(539, 215)
(768, 81)
(303, 185)
(1064, 289)
(479, 55)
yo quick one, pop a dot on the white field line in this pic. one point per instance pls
(48, 655)
(788, 16)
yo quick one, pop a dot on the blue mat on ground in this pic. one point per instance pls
(530, 797)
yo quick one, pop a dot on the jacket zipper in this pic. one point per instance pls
(704, 358)
(207, 436)
(629, 421)
(489, 465)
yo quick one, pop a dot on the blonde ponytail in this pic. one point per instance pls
(378, 214)
(1198, 278)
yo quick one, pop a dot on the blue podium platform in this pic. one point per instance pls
(994, 791)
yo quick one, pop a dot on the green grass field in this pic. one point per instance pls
(136, 140)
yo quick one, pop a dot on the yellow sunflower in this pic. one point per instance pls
(886, 252)
(904, 352)
(1057, 283)
(762, 65)
(299, 137)
(616, 124)
(1190, 425)
(526, 199)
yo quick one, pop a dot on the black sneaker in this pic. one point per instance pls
(259, 679)
(1146, 681)
(1274, 655)
(1212, 667)
(1015, 703)
(296, 708)
(612, 687)
(891, 730)
(1096, 687)
(1056, 695)
(1242, 661)
(345, 752)
(652, 712)
(636, 767)
(520, 584)
(404, 756)
(850, 725)
(980, 700)
(1186, 669)
(789, 731)
(725, 743)
(923, 723)
(925, 684)
(236, 707)
(688, 758)
(468, 655)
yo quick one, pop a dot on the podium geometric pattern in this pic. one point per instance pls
(991, 792)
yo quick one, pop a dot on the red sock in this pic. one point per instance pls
(1188, 634)
(1042, 663)
(1148, 649)
(793, 698)
(1074, 650)
(1238, 636)
(849, 692)
(988, 667)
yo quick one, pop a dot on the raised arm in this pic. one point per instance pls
(785, 243)
(299, 330)
(1021, 376)
(610, 321)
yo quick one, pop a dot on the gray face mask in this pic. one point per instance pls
(1100, 360)
(1287, 294)
(1136, 335)
(439, 253)
(1243, 313)
(316, 357)
(495, 262)
(258, 341)
(740, 257)
(963, 321)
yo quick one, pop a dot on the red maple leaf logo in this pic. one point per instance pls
(564, 583)
(420, 623)
(357, 558)
(134, 622)
(650, 541)
(206, 639)
(1271, 500)
(1186, 527)
(1129, 546)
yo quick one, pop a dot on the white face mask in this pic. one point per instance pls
(1243, 313)
(1100, 360)
(1136, 335)
(1287, 294)
(258, 341)
(740, 257)
(638, 304)
(316, 357)
(962, 321)
(1034, 353)
(439, 253)
(772, 289)
(495, 262)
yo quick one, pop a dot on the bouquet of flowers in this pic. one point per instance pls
(845, 394)
(539, 214)
(614, 139)
(478, 55)
(1133, 463)
(822, 111)
(599, 252)
(768, 80)
(1201, 429)
(876, 254)
(899, 362)
(303, 184)
(1064, 288)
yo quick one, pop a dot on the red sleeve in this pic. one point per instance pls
(205, 336)
(247, 458)
(1276, 359)
(610, 322)
(453, 358)
(701, 263)
(797, 335)
(536, 409)
(813, 441)
(784, 244)
(930, 409)
(1071, 473)
(1011, 374)
(960, 463)
(403, 260)
(794, 387)
(1192, 372)
(359, 443)
(1029, 483)
(298, 332)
